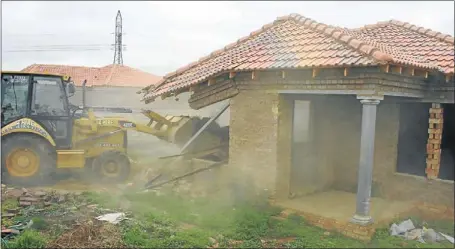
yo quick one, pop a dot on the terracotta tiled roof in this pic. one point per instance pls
(111, 75)
(413, 40)
(290, 42)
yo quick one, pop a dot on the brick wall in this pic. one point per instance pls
(344, 116)
(254, 150)
(434, 141)
(253, 138)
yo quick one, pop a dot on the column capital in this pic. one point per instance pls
(370, 100)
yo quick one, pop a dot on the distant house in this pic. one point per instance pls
(108, 86)
(347, 126)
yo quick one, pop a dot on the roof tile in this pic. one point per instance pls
(295, 41)
(418, 42)
(111, 75)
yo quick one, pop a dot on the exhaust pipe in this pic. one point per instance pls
(83, 94)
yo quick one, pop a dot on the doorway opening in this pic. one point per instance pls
(446, 169)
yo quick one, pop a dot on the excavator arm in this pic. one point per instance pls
(91, 124)
(192, 134)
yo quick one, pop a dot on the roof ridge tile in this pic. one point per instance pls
(343, 38)
(217, 52)
(419, 29)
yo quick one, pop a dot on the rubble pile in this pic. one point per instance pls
(23, 209)
(408, 231)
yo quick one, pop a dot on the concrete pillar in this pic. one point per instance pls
(435, 124)
(365, 172)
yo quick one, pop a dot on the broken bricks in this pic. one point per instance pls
(8, 231)
(26, 198)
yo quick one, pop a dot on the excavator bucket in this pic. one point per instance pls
(180, 129)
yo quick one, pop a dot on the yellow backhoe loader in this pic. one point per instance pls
(43, 133)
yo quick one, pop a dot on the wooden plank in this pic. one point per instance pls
(186, 175)
(191, 153)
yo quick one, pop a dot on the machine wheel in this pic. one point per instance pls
(27, 160)
(112, 166)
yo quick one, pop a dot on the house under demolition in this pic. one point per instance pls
(348, 126)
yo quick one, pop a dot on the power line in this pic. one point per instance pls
(50, 50)
(64, 45)
(78, 47)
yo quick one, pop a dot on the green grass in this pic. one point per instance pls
(248, 222)
(28, 239)
(172, 221)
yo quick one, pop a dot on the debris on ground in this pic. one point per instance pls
(65, 211)
(449, 238)
(408, 231)
(90, 234)
(113, 218)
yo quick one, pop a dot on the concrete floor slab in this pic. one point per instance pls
(340, 205)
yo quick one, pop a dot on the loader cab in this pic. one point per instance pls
(40, 97)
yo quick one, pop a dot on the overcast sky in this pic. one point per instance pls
(162, 36)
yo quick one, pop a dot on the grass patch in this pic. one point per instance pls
(28, 239)
(244, 225)
(163, 221)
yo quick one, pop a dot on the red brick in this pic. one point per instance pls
(361, 232)
(436, 111)
(435, 131)
(434, 141)
(433, 151)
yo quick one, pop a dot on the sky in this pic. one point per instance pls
(160, 37)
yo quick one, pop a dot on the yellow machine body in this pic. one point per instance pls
(92, 138)
(65, 158)
(26, 125)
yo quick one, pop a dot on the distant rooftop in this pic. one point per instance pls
(110, 75)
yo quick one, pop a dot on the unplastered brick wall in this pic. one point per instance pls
(434, 141)
(253, 138)
(345, 132)
(259, 147)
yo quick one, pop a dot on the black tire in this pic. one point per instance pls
(39, 147)
(117, 158)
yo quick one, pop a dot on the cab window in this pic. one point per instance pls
(48, 97)
(14, 96)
